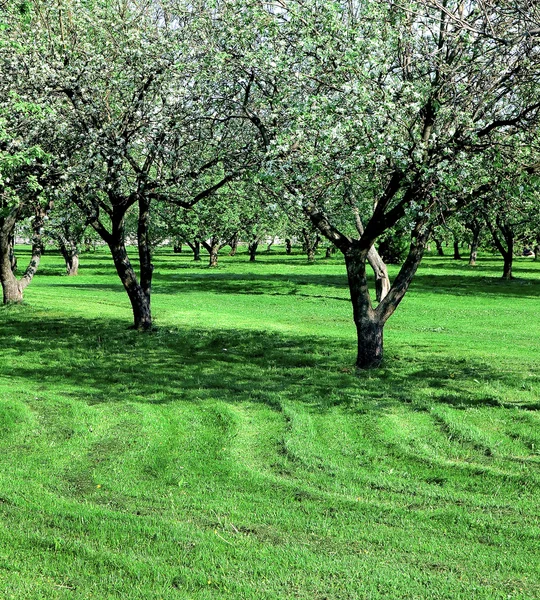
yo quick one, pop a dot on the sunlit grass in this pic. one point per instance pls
(235, 453)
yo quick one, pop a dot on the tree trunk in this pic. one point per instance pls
(370, 343)
(213, 246)
(476, 230)
(70, 252)
(507, 248)
(288, 246)
(438, 244)
(474, 247)
(177, 247)
(536, 251)
(270, 244)
(196, 249)
(12, 293)
(252, 249)
(369, 327)
(138, 297)
(12, 257)
(234, 245)
(213, 257)
(310, 244)
(145, 255)
(508, 259)
(457, 255)
(10, 286)
(13, 289)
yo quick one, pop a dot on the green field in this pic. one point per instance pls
(234, 453)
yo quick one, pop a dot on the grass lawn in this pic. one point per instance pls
(234, 453)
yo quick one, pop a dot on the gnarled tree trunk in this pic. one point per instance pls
(12, 287)
(213, 246)
(311, 243)
(70, 252)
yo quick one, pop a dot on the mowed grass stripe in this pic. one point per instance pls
(234, 452)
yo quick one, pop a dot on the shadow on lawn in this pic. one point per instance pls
(296, 284)
(293, 283)
(101, 361)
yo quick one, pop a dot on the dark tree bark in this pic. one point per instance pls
(288, 246)
(503, 238)
(370, 321)
(270, 244)
(252, 248)
(439, 246)
(536, 251)
(457, 255)
(195, 246)
(138, 292)
(234, 244)
(12, 256)
(139, 295)
(177, 247)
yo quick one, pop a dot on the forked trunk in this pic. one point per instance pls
(12, 288)
(369, 326)
(138, 294)
(438, 244)
(140, 302)
(503, 237)
(213, 246)
(196, 249)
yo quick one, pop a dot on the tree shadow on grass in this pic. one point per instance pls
(97, 361)
(293, 283)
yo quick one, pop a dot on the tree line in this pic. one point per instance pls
(359, 122)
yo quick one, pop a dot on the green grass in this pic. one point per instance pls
(234, 453)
